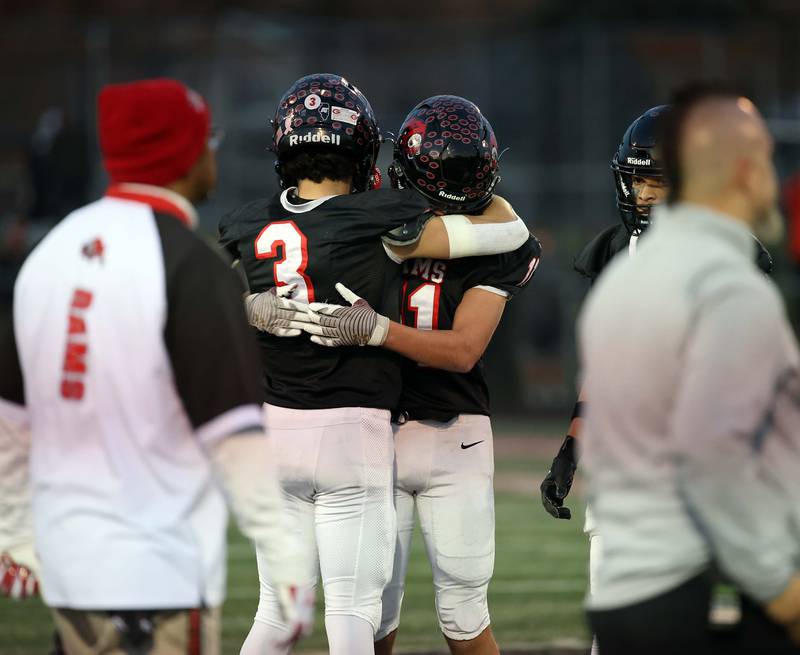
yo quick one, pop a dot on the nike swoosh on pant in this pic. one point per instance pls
(470, 445)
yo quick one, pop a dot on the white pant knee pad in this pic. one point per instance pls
(463, 612)
(343, 598)
(390, 610)
(462, 585)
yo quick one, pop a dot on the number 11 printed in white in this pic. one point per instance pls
(424, 302)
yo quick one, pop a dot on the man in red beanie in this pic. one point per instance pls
(157, 133)
(132, 364)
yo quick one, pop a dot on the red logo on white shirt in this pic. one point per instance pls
(74, 369)
(93, 248)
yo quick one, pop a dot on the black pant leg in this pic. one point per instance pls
(676, 623)
(673, 623)
(759, 635)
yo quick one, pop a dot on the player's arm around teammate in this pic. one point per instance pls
(496, 230)
(443, 445)
(460, 348)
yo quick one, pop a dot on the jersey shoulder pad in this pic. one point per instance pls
(510, 272)
(246, 213)
(401, 212)
(232, 222)
(594, 256)
(388, 201)
(235, 224)
(407, 233)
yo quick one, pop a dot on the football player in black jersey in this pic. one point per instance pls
(640, 184)
(446, 151)
(328, 410)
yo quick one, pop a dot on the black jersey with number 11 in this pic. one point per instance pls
(432, 291)
(315, 244)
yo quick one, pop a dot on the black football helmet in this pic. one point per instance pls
(446, 150)
(637, 156)
(325, 110)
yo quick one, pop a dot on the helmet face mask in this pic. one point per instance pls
(446, 150)
(326, 111)
(637, 157)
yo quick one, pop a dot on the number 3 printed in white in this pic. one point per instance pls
(291, 267)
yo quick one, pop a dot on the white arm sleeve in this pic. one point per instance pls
(472, 240)
(16, 531)
(246, 469)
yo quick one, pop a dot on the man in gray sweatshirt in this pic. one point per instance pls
(692, 447)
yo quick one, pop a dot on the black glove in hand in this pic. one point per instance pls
(557, 482)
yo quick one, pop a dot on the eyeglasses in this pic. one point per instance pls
(216, 135)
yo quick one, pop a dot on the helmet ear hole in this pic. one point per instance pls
(396, 175)
(281, 175)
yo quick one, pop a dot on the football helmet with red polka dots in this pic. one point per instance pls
(324, 111)
(446, 150)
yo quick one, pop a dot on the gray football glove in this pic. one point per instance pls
(273, 312)
(338, 325)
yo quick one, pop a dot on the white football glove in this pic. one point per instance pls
(297, 609)
(274, 312)
(338, 325)
(18, 573)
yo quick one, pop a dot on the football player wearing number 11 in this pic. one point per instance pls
(327, 410)
(443, 438)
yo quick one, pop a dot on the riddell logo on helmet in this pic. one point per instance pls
(639, 162)
(450, 196)
(333, 139)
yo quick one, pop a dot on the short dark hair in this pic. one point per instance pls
(317, 164)
(684, 100)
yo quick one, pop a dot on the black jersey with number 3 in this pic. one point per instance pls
(432, 291)
(315, 244)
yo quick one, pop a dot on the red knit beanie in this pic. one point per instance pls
(151, 132)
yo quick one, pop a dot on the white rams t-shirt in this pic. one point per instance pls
(136, 355)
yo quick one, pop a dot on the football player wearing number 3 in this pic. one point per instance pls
(443, 439)
(327, 410)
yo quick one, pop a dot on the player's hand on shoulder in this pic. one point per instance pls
(558, 481)
(273, 311)
(339, 325)
(18, 579)
(297, 609)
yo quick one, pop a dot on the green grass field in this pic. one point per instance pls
(535, 596)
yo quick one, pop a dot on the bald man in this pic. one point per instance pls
(692, 447)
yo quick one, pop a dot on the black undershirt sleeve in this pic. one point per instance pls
(214, 356)
(11, 382)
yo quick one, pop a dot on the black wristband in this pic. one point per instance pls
(577, 411)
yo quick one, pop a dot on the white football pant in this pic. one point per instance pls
(336, 473)
(595, 555)
(447, 471)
